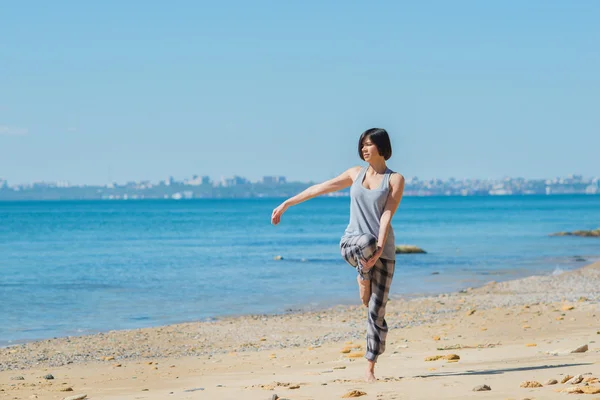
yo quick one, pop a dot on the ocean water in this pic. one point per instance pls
(77, 267)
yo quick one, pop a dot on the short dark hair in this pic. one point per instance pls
(380, 139)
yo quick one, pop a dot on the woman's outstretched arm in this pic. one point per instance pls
(340, 182)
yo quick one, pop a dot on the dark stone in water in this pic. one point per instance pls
(590, 233)
(408, 249)
(435, 273)
(140, 318)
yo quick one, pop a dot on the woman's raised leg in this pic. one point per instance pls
(355, 250)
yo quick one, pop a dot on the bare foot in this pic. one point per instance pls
(364, 290)
(370, 377)
(370, 373)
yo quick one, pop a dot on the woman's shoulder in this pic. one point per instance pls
(354, 171)
(396, 178)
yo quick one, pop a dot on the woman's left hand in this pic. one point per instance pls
(368, 264)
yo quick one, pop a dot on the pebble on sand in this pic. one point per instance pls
(581, 349)
(551, 382)
(566, 378)
(48, 377)
(574, 389)
(580, 390)
(354, 393)
(76, 397)
(449, 357)
(355, 355)
(481, 388)
(531, 384)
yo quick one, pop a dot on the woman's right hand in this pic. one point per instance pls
(277, 213)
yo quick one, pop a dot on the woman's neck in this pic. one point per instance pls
(378, 166)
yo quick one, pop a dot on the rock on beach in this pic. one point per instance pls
(581, 349)
(531, 384)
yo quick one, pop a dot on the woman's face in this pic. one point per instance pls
(369, 150)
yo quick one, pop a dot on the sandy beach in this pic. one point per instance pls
(443, 347)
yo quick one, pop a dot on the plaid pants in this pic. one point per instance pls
(355, 249)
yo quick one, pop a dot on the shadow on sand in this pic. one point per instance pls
(501, 371)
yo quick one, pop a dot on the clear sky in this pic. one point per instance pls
(93, 92)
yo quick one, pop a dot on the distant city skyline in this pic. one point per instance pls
(96, 92)
(197, 180)
(202, 187)
(279, 179)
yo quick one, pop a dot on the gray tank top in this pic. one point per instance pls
(366, 207)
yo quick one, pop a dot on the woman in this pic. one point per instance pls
(368, 242)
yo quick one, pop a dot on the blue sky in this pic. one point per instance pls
(93, 92)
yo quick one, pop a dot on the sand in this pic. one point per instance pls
(503, 334)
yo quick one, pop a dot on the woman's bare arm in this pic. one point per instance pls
(391, 205)
(340, 182)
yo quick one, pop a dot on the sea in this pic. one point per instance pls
(79, 267)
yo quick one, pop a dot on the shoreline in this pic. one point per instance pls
(320, 307)
(520, 296)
